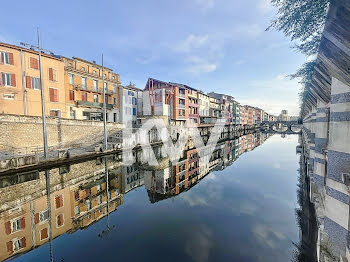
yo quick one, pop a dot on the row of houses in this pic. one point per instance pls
(81, 199)
(73, 89)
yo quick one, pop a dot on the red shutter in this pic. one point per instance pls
(59, 220)
(54, 77)
(11, 58)
(55, 95)
(24, 242)
(9, 246)
(50, 74)
(36, 218)
(23, 223)
(71, 95)
(8, 227)
(61, 201)
(44, 233)
(13, 80)
(52, 95)
(28, 82)
(34, 63)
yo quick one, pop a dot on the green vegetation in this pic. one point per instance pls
(303, 21)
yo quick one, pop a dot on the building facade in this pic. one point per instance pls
(20, 82)
(84, 90)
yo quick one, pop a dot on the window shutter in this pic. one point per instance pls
(44, 233)
(1, 59)
(52, 95)
(1, 82)
(8, 227)
(9, 246)
(36, 218)
(24, 242)
(23, 222)
(61, 201)
(56, 95)
(59, 220)
(54, 76)
(50, 74)
(57, 199)
(34, 63)
(11, 58)
(13, 80)
(28, 82)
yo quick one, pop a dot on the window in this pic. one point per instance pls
(43, 215)
(115, 117)
(53, 94)
(130, 100)
(94, 72)
(95, 85)
(19, 244)
(18, 224)
(52, 74)
(71, 95)
(134, 111)
(7, 79)
(114, 101)
(83, 82)
(99, 199)
(72, 114)
(6, 58)
(114, 88)
(98, 188)
(88, 204)
(106, 87)
(55, 113)
(95, 98)
(82, 68)
(84, 96)
(106, 99)
(9, 96)
(76, 210)
(34, 63)
(71, 79)
(59, 201)
(44, 234)
(59, 220)
(35, 83)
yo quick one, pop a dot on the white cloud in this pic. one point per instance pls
(249, 30)
(273, 95)
(192, 42)
(205, 5)
(264, 6)
(200, 68)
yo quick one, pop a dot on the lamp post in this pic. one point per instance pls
(47, 172)
(104, 109)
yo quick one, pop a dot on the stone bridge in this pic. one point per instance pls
(278, 127)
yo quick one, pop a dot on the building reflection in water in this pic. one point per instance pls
(81, 194)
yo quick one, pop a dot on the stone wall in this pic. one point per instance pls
(24, 134)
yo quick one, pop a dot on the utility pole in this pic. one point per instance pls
(104, 109)
(47, 172)
(42, 91)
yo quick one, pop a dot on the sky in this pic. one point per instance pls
(211, 45)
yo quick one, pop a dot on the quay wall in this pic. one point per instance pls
(23, 134)
(326, 135)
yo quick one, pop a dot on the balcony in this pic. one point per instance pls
(91, 89)
(93, 104)
(182, 95)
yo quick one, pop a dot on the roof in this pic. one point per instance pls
(91, 63)
(19, 48)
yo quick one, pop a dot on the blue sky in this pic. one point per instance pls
(212, 45)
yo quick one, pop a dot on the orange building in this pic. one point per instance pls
(20, 83)
(84, 97)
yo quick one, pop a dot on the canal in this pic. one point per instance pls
(241, 207)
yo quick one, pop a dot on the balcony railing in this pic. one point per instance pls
(91, 89)
(182, 95)
(93, 104)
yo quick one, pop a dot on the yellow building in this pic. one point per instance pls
(84, 98)
(20, 83)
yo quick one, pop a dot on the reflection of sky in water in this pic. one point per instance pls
(243, 213)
